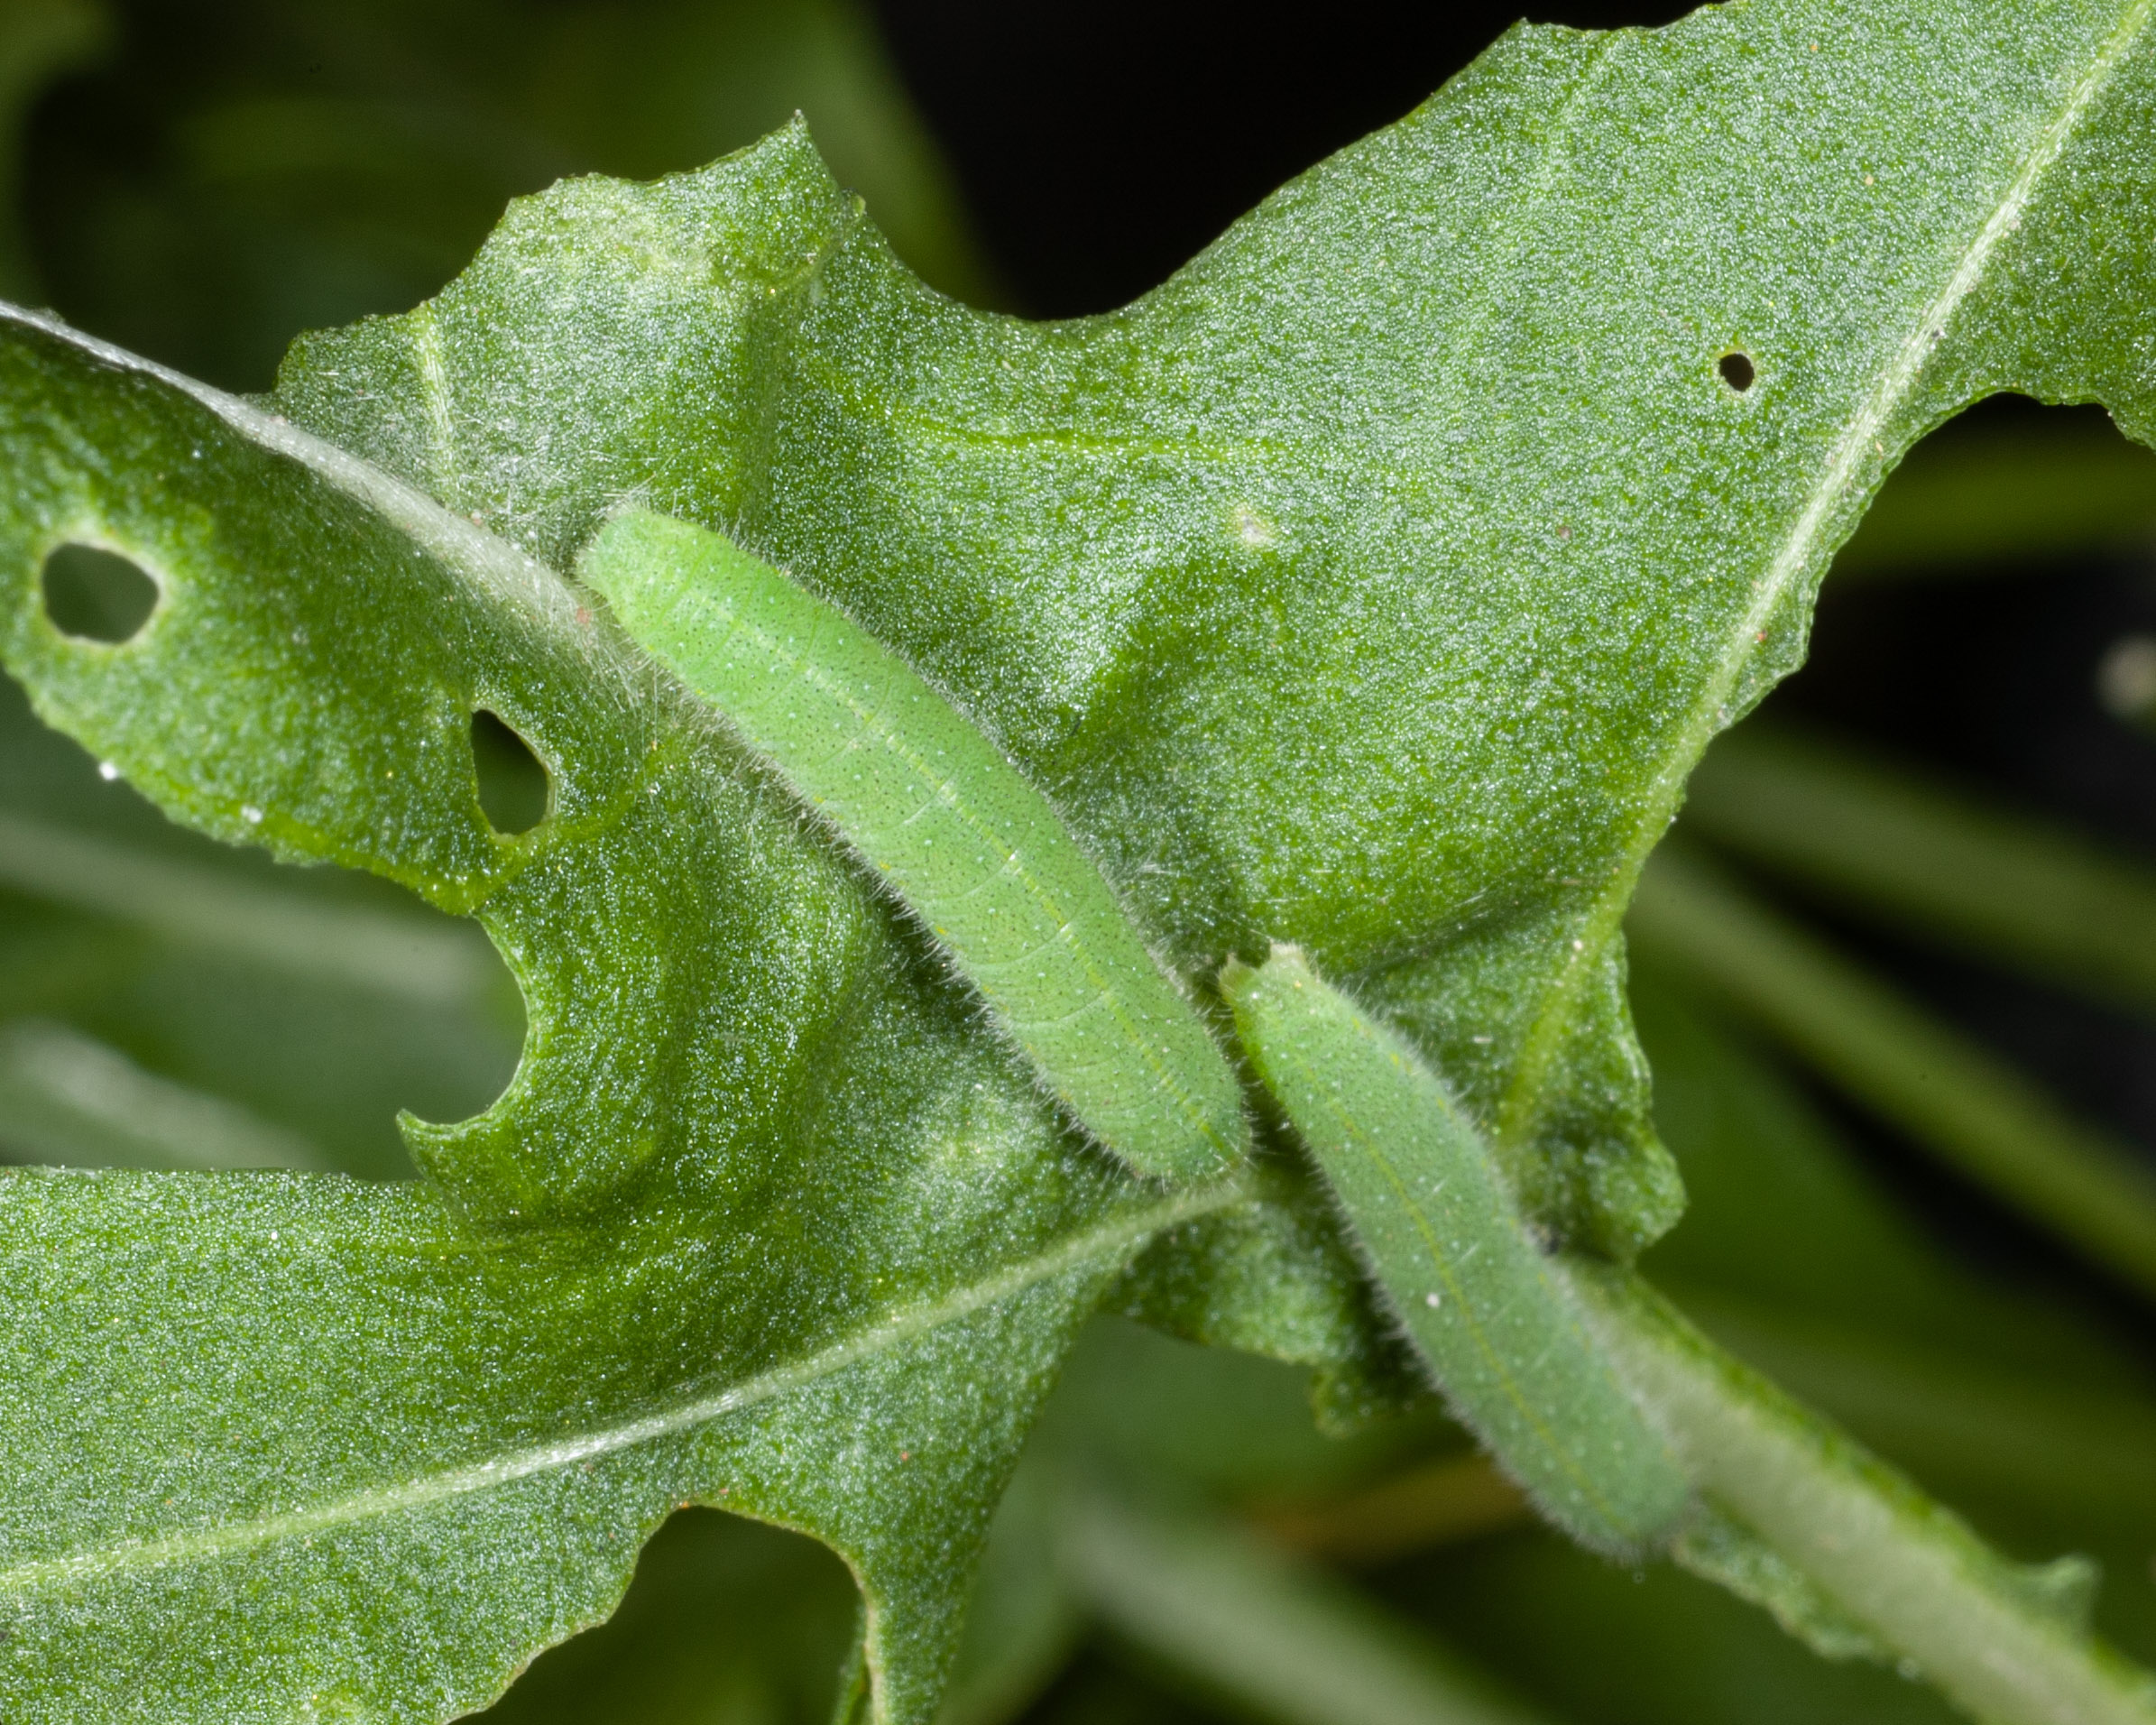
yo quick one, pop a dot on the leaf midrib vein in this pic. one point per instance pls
(1110, 1242)
(1852, 454)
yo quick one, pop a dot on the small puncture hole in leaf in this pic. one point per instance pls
(513, 789)
(1737, 371)
(96, 594)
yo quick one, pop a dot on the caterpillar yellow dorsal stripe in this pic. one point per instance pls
(962, 837)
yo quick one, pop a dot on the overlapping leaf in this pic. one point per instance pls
(1372, 585)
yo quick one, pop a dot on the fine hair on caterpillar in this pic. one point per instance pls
(977, 857)
(962, 839)
(1471, 1289)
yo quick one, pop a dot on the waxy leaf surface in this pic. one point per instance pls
(1372, 585)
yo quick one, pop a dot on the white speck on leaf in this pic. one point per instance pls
(1254, 528)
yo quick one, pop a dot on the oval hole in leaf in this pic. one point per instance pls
(96, 594)
(513, 789)
(1737, 371)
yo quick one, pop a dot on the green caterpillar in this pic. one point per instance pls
(968, 844)
(1475, 1295)
(981, 856)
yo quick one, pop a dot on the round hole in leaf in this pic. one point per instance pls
(96, 594)
(513, 789)
(1737, 371)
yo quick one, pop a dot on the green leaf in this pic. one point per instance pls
(610, 1288)
(1373, 586)
(258, 1553)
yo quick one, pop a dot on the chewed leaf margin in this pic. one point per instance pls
(581, 1297)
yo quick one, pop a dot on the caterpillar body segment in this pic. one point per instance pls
(1492, 1321)
(962, 837)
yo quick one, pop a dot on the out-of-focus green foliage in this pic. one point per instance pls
(238, 173)
(39, 39)
(1939, 1087)
(1981, 503)
(318, 1004)
(1910, 853)
(352, 167)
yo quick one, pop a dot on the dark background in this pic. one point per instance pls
(1102, 145)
